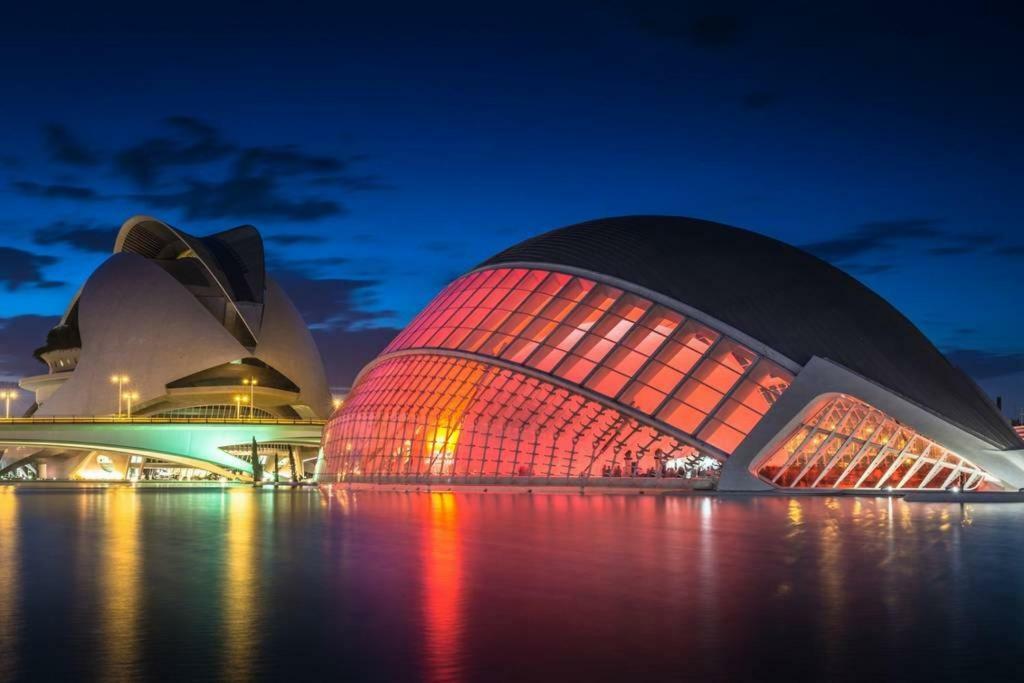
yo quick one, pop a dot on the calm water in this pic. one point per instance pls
(387, 586)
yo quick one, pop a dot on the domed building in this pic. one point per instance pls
(659, 351)
(175, 326)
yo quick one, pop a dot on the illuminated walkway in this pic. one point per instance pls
(187, 441)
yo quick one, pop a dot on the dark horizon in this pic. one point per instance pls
(382, 153)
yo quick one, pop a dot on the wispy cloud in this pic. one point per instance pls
(54, 191)
(20, 268)
(983, 364)
(79, 235)
(189, 142)
(65, 148)
(874, 236)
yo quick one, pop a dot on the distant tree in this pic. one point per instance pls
(257, 468)
(291, 460)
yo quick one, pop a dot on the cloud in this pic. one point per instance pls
(290, 239)
(874, 236)
(284, 160)
(81, 236)
(870, 238)
(251, 198)
(190, 142)
(331, 302)
(193, 169)
(985, 364)
(21, 335)
(55, 191)
(19, 268)
(66, 148)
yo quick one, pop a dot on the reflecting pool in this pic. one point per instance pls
(236, 584)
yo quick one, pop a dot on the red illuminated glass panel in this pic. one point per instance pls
(845, 443)
(437, 416)
(616, 344)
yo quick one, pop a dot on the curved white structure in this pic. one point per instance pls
(196, 326)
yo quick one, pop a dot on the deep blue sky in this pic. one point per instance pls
(384, 150)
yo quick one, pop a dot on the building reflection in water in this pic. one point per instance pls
(442, 588)
(122, 581)
(10, 580)
(240, 586)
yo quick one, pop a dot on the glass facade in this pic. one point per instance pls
(424, 413)
(634, 352)
(844, 443)
(431, 415)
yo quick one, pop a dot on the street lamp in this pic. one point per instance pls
(239, 400)
(120, 381)
(251, 382)
(7, 395)
(337, 403)
(131, 396)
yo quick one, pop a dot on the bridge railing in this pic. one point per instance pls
(156, 420)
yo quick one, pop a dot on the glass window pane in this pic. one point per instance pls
(642, 397)
(721, 436)
(699, 395)
(661, 377)
(679, 356)
(696, 336)
(679, 415)
(594, 348)
(584, 316)
(607, 382)
(554, 282)
(716, 375)
(738, 416)
(575, 368)
(546, 358)
(519, 350)
(626, 361)
(734, 356)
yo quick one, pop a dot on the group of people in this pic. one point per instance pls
(630, 467)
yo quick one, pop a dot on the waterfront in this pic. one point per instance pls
(239, 584)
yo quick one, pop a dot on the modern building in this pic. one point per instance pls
(651, 350)
(178, 327)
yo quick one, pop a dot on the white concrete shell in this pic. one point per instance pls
(163, 308)
(135, 319)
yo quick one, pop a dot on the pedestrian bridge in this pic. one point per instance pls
(192, 442)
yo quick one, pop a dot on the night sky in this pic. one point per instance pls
(384, 150)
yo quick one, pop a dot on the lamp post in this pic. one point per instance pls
(130, 396)
(7, 395)
(120, 381)
(239, 400)
(251, 382)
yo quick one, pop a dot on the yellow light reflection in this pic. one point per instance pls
(795, 512)
(10, 579)
(442, 588)
(122, 578)
(241, 608)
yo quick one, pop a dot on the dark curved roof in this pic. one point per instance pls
(778, 294)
